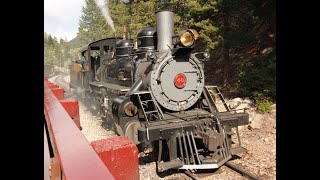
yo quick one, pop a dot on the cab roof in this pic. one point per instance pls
(97, 43)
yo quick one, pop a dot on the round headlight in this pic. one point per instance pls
(188, 37)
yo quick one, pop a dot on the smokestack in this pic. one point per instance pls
(165, 25)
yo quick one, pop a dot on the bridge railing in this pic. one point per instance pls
(71, 154)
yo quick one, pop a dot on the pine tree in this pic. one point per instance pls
(143, 15)
(132, 14)
(92, 25)
(119, 12)
(50, 45)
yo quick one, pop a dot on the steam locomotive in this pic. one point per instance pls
(153, 90)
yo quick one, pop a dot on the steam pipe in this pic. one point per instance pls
(135, 87)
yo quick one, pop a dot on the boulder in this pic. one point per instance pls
(241, 107)
(248, 101)
(237, 100)
(234, 104)
(257, 121)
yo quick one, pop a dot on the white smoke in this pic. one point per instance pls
(103, 5)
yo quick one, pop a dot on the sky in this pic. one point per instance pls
(61, 17)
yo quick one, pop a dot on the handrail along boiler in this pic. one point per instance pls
(153, 91)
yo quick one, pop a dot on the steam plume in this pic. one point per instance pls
(103, 5)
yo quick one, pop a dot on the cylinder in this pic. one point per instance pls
(165, 25)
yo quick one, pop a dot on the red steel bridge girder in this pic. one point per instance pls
(72, 108)
(120, 155)
(58, 92)
(51, 86)
(111, 158)
(77, 158)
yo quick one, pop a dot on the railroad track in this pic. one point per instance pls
(240, 170)
(231, 166)
(63, 84)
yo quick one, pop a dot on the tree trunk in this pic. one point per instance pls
(226, 68)
(226, 49)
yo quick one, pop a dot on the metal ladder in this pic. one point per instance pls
(148, 105)
(210, 93)
(214, 92)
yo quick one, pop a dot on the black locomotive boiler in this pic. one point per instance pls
(153, 90)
